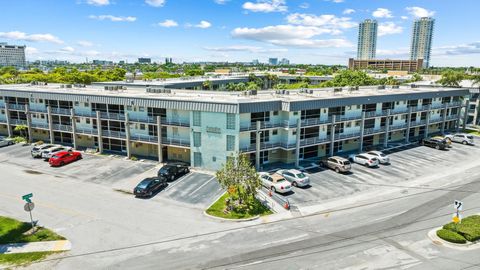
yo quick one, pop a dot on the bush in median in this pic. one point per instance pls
(469, 228)
(451, 236)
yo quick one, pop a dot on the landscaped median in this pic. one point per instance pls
(225, 208)
(466, 232)
(19, 246)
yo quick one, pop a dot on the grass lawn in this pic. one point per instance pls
(217, 210)
(468, 230)
(11, 231)
(23, 258)
(473, 132)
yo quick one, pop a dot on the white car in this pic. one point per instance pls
(47, 154)
(275, 182)
(382, 158)
(364, 159)
(295, 177)
(6, 142)
(461, 138)
(37, 150)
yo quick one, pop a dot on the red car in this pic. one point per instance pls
(64, 157)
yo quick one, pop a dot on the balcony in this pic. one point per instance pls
(2, 105)
(62, 111)
(16, 107)
(60, 127)
(419, 109)
(40, 125)
(3, 120)
(263, 146)
(313, 141)
(315, 121)
(85, 114)
(176, 142)
(146, 119)
(370, 131)
(174, 122)
(398, 127)
(374, 114)
(419, 123)
(454, 104)
(112, 116)
(144, 138)
(344, 136)
(114, 134)
(18, 122)
(88, 131)
(263, 125)
(38, 110)
(399, 111)
(340, 118)
(452, 117)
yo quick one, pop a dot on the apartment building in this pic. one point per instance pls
(203, 128)
(12, 55)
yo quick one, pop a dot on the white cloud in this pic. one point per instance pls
(98, 2)
(462, 49)
(419, 12)
(84, 43)
(31, 50)
(304, 5)
(67, 49)
(203, 24)
(221, 2)
(349, 11)
(382, 13)
(168, 23)
(327, 21)
(155, 3)
(266, 6)
(113, 18)
(17, 35)
(335, 1)
(389, 28)
(245, 48)
(290, 35)
(404, 17)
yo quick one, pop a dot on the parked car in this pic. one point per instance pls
(37, 150)
(64, 157)
(295, 177)
(382, 158)
(461, 138)
(148, 186)
(336, 163)
(170, 172)
(48, 153)
(365, 160)
(434, 143)
(275, 182)
(6, 141)
(446, 140)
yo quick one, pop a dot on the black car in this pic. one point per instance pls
(170, 172)
(435, 143)
(148, 186)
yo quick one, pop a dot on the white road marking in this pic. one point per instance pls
(197, 189)
(389, 216)
(285, 240)
(178, 181)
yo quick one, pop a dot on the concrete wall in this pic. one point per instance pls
(3, 130)
(179, 154)
(40, 135)
(143, 149)
(85, 141)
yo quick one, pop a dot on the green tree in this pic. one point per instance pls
(451, 78)
(252, 86)
(207, 85)
(476, 80)
(22, 129)
(239, 178)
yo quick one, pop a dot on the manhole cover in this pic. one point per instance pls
(32, 172)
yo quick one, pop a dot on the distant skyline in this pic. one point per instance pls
(304, 31)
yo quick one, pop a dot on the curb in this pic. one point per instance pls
(230, 220)
(432, 234)
(59, 245)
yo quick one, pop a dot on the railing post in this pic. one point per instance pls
(297, 145)
(74, 128)
(159, 138)
(257, 146)
(99, 132)
(29, 123)
(427, 124)
(332, 135)
(127, 135)
(409, 123)
(465, 114)
(362, 130)
(387, 129)
(50, 124)
(444, 118)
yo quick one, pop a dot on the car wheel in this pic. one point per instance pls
(273, 189)
(79, 157)
(464, 143)
(172, 178)
(337, 170)
(422, 143)
(62, 163)
(187, 170)
(295, 184)
(321, 165)
(437, 147)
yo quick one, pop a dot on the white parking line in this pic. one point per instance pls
(285, 240)
(178, 181)
(197, 189)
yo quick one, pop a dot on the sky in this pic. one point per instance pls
(303, 31)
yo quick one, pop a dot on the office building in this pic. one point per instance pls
(273, 61)
(12, 55)
(367, 40)
(284, 62)
(255, 62)
(143, 60)
(203, 128)
(388, 64)
(102, 62)
(422, 35)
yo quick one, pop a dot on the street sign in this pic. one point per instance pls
(458, 205)
(29, 206)
(456, 219)
(27, 197)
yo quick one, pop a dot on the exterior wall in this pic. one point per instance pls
(143, 149)
(40, 135)
(179, 154)
(86, 141)
(3, 130)
(350, 145)
(397, 136)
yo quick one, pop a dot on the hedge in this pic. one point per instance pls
(469, 228)
(451, 236)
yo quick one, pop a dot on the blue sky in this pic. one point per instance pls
(304, 31)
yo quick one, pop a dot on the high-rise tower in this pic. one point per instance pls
(367, 40)
(422, 35)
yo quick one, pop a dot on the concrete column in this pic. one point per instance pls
(29, 123)
(50, 124)
(297, 145)
(428, 120)
(459, 112)
(257, 146)
(7, 115)
(159, 135)
(387, 128)
(444, 117)
(409, 124)
(127, 135)
(332, 135)
(74, 128)
(99, 130)
(465, 114)
(362, 130)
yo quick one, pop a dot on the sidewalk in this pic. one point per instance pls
(62, 245)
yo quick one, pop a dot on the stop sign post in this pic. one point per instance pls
(29, 205)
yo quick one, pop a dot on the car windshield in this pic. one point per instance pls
(346, 162)
(144, 183)
(300, 175)
(165, 170)
(55, 156)
(470, 137)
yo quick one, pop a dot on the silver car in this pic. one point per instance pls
(296, 177)
(363, 159)
(47, 154)
(5, 141)
(461, 138)
(37, 150)
(382, 158)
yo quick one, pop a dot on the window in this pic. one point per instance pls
(129, 108)
(197, 159)
(231, 121)
(214, 159)
(77, 120)
(197, 118)
(274, 132)
(175, 131)
(230, 143)
(295, 113)
(85, 104)
(275, 113)
(141, 109)
(348, 124)
(76, 103)
(197, 139)
(87, 121)
(142, 126)
(294, 132)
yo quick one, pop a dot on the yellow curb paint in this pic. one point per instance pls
(59, 245)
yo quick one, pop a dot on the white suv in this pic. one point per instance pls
(382, 158)
(47, 154)
(461, 138)
(364, 159)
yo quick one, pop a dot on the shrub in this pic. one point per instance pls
(19, 139)
(451, 236)
(134, 158)
(469, 228)
(39, 143)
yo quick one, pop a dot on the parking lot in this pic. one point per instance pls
(407, 164)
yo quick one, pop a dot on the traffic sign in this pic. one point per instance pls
(29, 206)
(456, 219)
(27, 197)
(458, 205)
